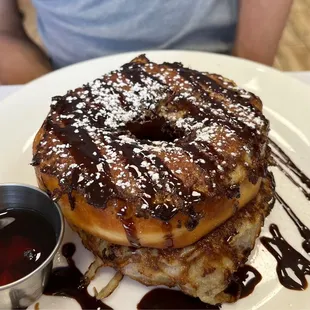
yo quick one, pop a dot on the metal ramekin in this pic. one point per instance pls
(25, 291)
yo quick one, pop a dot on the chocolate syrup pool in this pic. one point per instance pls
(69, 281)
(162, 298)
(27, 239)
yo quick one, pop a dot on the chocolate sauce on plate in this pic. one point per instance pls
(289, 260)
(69, 282)
(162, 298)
(302, 228)
(285, 160)
(281, 159)
(290, 263)
(244, 281)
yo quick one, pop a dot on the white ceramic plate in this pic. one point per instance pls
(287, 105)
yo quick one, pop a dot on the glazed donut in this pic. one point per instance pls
(152, 155)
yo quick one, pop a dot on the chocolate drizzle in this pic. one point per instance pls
(137, 74)
(129, 226)
(288, 259)
(297, 184)
(286, 161)
(135, 157)
(283, 162)
(69, 282)
(203, 84)
(86, 156)
(281, 159)
(302, 228)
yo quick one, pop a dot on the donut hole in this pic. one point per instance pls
(154, 129)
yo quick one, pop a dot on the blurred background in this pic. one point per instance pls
(293, 52)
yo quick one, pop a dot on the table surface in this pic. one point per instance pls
(7, 90)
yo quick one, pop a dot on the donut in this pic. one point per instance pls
(152, 155)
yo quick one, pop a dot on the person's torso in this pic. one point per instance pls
(76, 30)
